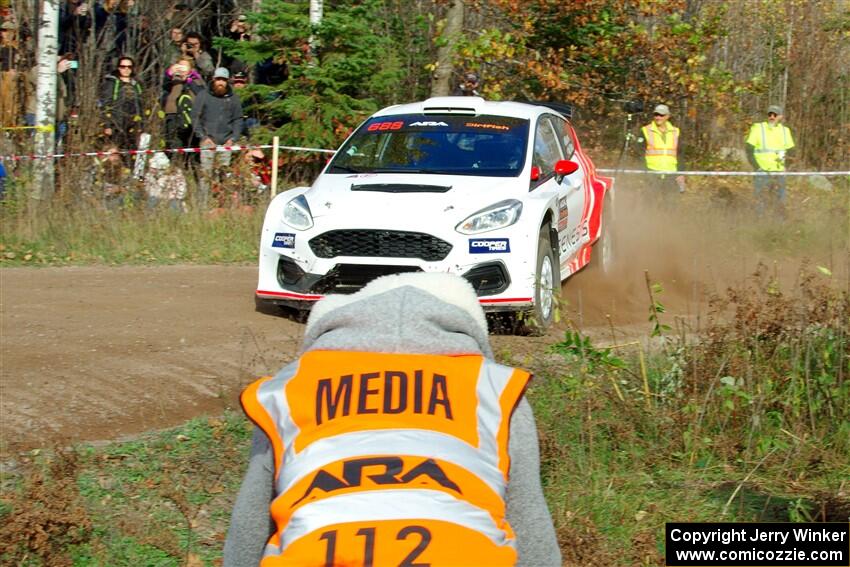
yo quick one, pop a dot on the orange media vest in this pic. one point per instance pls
(389, 459)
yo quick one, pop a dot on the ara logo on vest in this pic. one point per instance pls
(387, 392)
(392, 474)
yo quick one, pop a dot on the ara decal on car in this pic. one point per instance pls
(428, 124)
(283, 240)
(489, 245)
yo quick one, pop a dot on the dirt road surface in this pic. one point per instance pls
(97, 353)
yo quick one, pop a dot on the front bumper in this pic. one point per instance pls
(299, 289)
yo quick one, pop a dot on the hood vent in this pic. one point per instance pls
(400, 188)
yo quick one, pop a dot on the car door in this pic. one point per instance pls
(571, 222)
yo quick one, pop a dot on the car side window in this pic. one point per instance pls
(565, 135)
(547, 150)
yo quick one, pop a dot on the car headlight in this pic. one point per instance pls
(500, 215)
(297, 213)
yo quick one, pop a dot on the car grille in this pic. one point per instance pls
(380, 244)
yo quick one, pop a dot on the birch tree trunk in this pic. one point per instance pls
(45, 114)
(316, 12)
(441, 83)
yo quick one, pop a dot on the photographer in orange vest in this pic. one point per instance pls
(394, 439)
(662, 152)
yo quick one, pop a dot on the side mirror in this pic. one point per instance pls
(563, 168)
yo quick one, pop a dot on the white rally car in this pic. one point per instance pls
(499, 193)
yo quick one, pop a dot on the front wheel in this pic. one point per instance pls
(547, 288)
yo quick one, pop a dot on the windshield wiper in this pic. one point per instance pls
(347, 169)
(411, 170)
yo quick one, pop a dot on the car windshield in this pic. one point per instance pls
(492, 146)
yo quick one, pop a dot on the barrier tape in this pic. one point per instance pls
(729, 173)
(238, 148)
(235, 148)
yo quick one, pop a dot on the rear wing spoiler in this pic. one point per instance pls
(564, 108)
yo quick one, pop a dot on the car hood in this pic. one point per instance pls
(389, 199)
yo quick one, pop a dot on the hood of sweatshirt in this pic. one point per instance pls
(412, 313)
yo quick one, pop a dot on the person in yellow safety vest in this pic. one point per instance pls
(662, 151)
(767, 146)
(395, 439)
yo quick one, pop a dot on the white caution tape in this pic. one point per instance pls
(729, 173)
(234, 148)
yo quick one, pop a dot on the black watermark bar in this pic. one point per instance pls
(758, 544)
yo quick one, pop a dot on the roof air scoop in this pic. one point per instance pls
(468, 105)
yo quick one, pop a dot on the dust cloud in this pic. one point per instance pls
(696, 245)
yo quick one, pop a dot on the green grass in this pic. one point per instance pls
(749, 423)
(130, 237)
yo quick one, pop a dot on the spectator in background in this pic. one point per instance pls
(112, 179)
(217, 121)
(9, 62)
(165, 184)
(239, 82)
(469, 86)
(174, 49)
(662, 150)
(74, 24)
(63, 66)
(178, 14)
(258, 168)
(238, 30)
(2, 181)
(182, 85)
(193, 46)
(768, 144)
(110, 20)
(121, 101)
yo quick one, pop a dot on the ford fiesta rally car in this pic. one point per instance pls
(499, 193)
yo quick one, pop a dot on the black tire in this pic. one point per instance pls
(547, 291)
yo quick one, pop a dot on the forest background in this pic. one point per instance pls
(718, 65)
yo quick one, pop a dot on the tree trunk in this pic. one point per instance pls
(45, 114)
(441, 83)
(316, 12)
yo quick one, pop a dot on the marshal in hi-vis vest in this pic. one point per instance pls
(661, 147)
(770, 143)
(388, 459)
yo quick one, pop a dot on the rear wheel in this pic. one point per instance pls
(604, 253)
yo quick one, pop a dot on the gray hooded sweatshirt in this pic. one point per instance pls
(402, 319)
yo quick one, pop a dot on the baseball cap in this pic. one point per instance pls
(8, 26)
(662, 109)
(221, 73)
(242, 18)
(775, 109)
